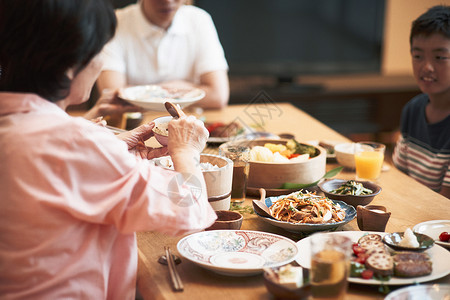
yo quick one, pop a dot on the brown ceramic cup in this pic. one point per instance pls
(372, 217)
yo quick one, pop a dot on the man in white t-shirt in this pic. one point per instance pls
(170, 44)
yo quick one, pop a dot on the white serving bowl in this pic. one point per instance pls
(345, 154)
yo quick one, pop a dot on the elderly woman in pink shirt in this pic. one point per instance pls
(72, 194)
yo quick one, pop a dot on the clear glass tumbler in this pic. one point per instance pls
(369, 157)
(240, 155)
(330, 264)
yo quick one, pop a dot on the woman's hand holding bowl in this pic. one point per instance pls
(135, 139)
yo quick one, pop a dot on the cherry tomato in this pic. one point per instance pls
(213, 126)
(445, 236)
(367, 274)
(357, 249)
(361, 258)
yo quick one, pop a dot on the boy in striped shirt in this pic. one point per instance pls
(423, 150)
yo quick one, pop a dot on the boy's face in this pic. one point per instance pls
(431, 63)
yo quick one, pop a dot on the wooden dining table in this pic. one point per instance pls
(409, 202)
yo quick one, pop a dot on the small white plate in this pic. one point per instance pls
(433, 229)
(246, 135)
(237, 252)
(221, 140)
(153, 97)
(242, 135)
(440, 258)
(327, 145)
(421, 292)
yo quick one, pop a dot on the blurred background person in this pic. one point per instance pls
(168, 43)
(423, 150)
(72, 193)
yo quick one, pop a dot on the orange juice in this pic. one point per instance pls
(368, 164)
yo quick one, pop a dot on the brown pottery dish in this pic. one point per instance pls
(161, 134)
(328, 185)
(227, 219)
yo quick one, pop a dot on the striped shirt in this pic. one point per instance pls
(423, 150)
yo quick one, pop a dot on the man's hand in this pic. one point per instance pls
(109, 104)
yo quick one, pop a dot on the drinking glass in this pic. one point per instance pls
(369, 158)
(330, 264)
(240, 156)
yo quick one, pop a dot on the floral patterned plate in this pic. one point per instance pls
(237, 252)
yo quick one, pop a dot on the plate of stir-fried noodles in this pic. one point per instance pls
(304, 211)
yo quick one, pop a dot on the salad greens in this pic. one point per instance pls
(352, 187)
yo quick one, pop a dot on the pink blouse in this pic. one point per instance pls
(71, 198)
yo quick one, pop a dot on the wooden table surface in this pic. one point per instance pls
(409, 202)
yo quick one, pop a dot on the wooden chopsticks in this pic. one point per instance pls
(115, 129)
(176, 281)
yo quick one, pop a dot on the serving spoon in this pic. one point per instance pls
(260, 207)
(174, 110)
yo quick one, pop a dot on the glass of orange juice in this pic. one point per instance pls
(369, 157)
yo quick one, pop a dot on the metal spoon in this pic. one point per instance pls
(174, 110)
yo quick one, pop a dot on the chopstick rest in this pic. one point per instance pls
(175, 277)
(163, 260)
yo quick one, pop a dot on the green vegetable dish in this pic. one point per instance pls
(300, 148)
(352, 187)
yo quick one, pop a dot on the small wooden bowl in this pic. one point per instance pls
(272, 175)
(218, 181)
(227, 219)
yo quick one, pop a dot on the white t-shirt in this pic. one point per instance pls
(148, 54)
